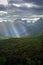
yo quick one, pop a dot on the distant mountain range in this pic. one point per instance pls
(36, 27)
(20, 28)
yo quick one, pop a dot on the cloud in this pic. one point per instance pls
(4, 2)
(15, 1)
(17, 5)
(3, 12)
(38, 2)
(1, 19)
(2, 7)
(21, 8)
(29, 5)
(27, 8)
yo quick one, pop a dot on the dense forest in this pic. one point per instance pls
(22, 51)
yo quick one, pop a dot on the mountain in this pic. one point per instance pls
(36, 27)
(20, 28)
(19, 24)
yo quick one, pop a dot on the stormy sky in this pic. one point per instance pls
(31, 10)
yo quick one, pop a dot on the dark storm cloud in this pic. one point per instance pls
(15, 1)
(2, 7)
(38, 2)
(12, 1)
(32, 10)
(26, 10)
(23, 10)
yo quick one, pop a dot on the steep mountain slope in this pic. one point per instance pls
(36, 27)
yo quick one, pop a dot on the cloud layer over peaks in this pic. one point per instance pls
(21, 9)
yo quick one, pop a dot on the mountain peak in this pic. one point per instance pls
(41, 19)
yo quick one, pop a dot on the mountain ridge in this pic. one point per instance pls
(20, 28)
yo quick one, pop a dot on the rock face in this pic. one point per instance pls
(20, 28)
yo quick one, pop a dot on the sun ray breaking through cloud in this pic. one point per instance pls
(25, 10)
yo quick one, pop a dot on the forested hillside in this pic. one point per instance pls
(22, 51)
